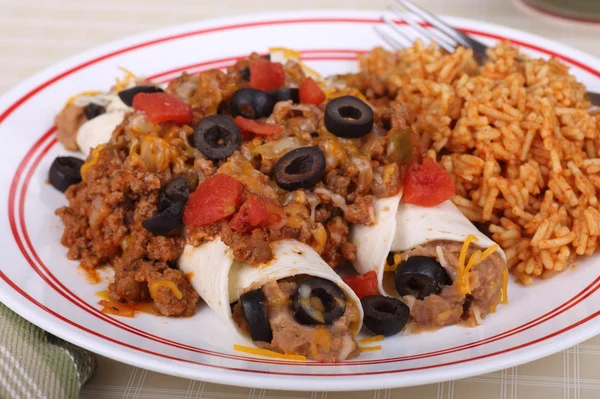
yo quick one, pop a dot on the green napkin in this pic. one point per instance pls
(36, 364)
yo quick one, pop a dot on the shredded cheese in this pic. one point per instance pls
(392, 268)
(123, 83)
(294, 55)
(267, 353)
(334, 92)
(462, 277)
(464, 283)
(370, 340)
(156, 284)
(369, 348)
(462, 257)
(189, 275)
(488, 252)
(83, 93)
(93, 161)
(504, 289)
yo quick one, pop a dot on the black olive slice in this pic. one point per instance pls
(171, 201)
(93, 110)
(286, 94)
(245, 74)
(300, 168)
(348, 116)
(253, 304)
(251, 103)
(420, 276)
(127, 95)
(384, 315)
(64, 172)
(177, 190)
(167, 220)
(217, 137)
(318, 301)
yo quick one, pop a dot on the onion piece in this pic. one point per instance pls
(337, 199)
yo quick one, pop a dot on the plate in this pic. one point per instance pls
(38, 282)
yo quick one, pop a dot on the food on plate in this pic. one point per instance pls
(384, 315)
(435, 259)
(64, 172)
(294, 305)
(229, 157)
(518, 138)
(89, 118)
(249, 187)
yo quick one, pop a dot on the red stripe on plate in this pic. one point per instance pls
(95, 312)
(64, 319)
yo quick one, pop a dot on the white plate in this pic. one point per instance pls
(39, 283)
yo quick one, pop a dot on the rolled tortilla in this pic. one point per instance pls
(401, 227)
(220, 279)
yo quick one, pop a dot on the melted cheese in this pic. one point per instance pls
(267, 353)
(320, 236)
(93, 161)
(103, 294)
(156, 284)
(322, 340)
(392, 268)
(370, 340)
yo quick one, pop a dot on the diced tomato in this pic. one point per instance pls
(163, 107)
(266, 75)
(427, 184)
(215, 198)
(311, 93)
(256, 127)
(257, 212)
(363, 285)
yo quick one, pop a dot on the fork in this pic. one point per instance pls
(446, 37)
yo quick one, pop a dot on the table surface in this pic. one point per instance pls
(36, 33)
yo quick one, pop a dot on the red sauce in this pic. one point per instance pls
(117, 308)
(91, 275)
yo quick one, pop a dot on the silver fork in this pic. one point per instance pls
(443, 34)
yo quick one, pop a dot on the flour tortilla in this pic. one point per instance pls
(401, 227)
(220, 279)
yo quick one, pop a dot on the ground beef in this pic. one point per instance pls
(338, 250)
(338, 184)
(103, 226)
(164, 298)
(361, 211)
(68, 123)
(333, 343)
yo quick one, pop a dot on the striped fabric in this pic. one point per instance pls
(35, 364)
(36, 33)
